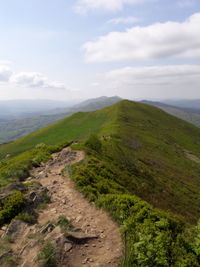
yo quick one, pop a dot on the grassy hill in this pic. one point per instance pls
(188, 114)
(158, 153)
(142, 159)
(12, 129)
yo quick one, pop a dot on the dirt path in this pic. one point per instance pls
(105, 250)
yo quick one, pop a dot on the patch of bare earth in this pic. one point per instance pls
(101, 243)
(191, 156)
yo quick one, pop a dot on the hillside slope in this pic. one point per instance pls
(191, 115)
(140, 159)
(19, 126)
(158, 154)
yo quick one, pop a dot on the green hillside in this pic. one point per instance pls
(188, 114)
(151, 147)
(77, 126)
(142, 159)
(15, 128)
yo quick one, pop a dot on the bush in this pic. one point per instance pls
(152, 237)
(26, 217)
(64, 224)
(11, 206)
(93, 143)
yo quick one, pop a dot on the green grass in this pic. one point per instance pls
(137, 165)
(77, 126)
(144, 142)
(47, 255)
(17, 168)
(152, 237)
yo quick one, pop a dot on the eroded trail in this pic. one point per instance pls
(105, 249)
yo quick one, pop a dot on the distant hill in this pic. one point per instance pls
(99, 102)
(184, 103)
(188, 114)
(87, 105)
(15, 128)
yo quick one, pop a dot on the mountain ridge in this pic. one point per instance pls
(141, 132)
(141, 165)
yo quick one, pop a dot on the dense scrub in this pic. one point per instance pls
(152, 237)
(11, 206)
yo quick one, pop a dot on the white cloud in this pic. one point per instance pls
(28, 79)
(123, 20)
(159, 40)
(155, 81)
(5, 73)
(110, 5)
(35, 79)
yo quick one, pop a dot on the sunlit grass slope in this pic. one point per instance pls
(77, 126)
(150, 147)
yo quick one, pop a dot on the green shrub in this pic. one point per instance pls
(33, 183)
(93, 143)
(64, 224)
(11, 206)
(26, 217)
(152, 237)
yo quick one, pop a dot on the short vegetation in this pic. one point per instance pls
(136, 168)
(11, 206)
(47, 255)
(152, 237)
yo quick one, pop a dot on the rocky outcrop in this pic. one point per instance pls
(15, 228)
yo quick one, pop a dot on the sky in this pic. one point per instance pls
(78, 49)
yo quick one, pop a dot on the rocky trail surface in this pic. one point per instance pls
(95, 239)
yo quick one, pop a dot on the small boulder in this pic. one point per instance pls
(63, 243)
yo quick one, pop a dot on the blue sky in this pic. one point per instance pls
(68, 49)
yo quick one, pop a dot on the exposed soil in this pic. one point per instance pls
(191, 156)
(104, 250)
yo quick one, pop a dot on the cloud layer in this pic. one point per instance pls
(110, 5)
(155, 80)
(156, 41)
(28, 79)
